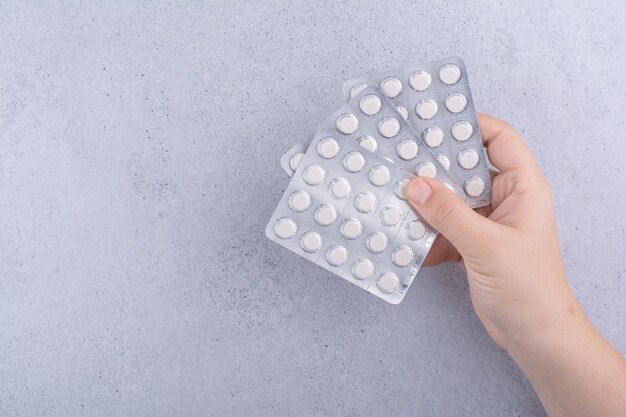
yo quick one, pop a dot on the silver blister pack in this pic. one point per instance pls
(344, 208)
(437, 99)
(292, 158)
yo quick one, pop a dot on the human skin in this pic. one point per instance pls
(510, 252)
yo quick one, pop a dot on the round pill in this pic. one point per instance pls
(365, 202)
(420, 80)
(391, 87)
(379, 175)
(462, 131)
(426, 109)
(399, 188)
(294, 161)
(362, 269)
(389, 127)
(376, 242)
(368, 143)
(351, 228)
(468, 158)
(433, 136)
(456, 102)
(407, 149)
(402, 256)
(474, 186)
(311, 241)
(313, 174)
(340, 188)
(328, 148)
(415, 230)
(354, 161)
(285, 228)
(444, 161)
(356, 89)
(325, 215)
(450, 74)
(336, 255)
(388, 282)
(390, 216)
(299, 201)
(403, 112)
(370, 104)
(426, 169)
(347, 123)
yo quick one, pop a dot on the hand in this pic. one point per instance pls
(510, 249)
(511, 254)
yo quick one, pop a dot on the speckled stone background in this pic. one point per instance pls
(139, 147)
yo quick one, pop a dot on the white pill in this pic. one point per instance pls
(362, 269)
(351, 228)
(426, 109)
(415, 230)
(285, 228)
(444, 161)
(456, 102)
(420, 80)
(403, 112)
(294, 161)
(407, 149)
(365, 202)
(450, 74)
(402, 256)
(340, 188)
(474, 186)
(299, 201)
(433, 136)
(313, 174)
(336, 255)
(388, 282)
(468, 158)
(370, 104)
(325, 215)
(356, 89)
(379, 175)
(389, 127)
(347, 123)
(391, 215)
(328, 148)
(462, 131)
(391, 87)
(368, 143)
(399, 188)
(311, 241)
(354, 161)
(376, 242)
(426, 169)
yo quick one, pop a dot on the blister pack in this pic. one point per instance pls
(344, 208)
(437, 99)
(292, 158)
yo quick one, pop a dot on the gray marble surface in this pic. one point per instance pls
(139, 147)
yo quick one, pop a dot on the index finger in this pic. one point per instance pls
(506, 149)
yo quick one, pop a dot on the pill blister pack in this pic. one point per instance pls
(436, 99)
(438, 102)
(344, 208)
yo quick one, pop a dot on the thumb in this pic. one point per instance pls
(447, 213)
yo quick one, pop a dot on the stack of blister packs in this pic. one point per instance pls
(345, 209)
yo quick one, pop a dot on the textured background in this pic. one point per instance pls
(139, 148)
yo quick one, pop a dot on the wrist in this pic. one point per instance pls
(547, 328)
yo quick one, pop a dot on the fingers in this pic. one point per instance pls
(441, 251)
(506, 149)
(447, 213)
